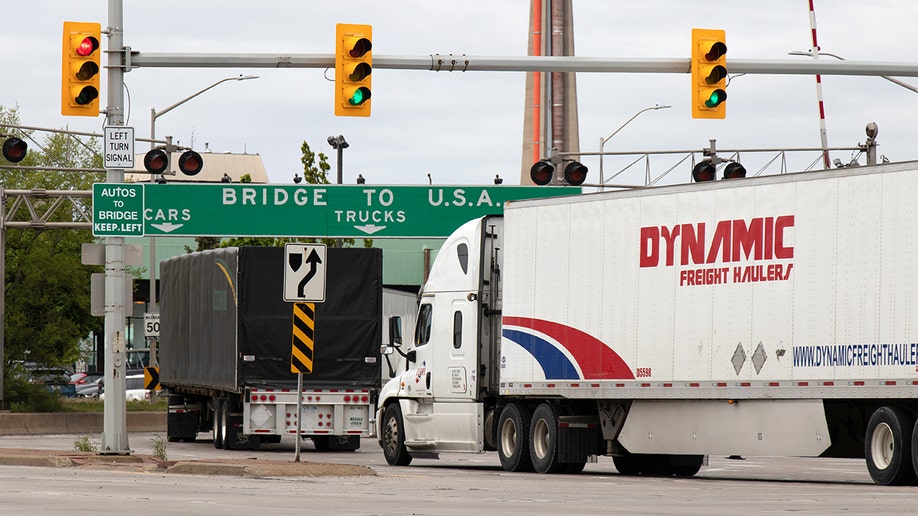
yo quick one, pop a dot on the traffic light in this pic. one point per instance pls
(704, 171)
(353, 69)
(709, 73)
(575, 173)
(542, 173)
(81, 65)
(14, 149)
(734, 171)
(156, 161)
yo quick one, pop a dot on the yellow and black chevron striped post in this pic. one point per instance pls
(304, 322)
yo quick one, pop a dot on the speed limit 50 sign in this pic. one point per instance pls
(151, 326)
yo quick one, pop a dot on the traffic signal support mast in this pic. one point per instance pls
(460, 63)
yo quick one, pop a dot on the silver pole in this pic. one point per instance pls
(114, 428)
(299, 414)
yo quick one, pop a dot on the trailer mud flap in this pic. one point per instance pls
(736, 427)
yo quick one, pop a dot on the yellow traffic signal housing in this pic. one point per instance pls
(81, 67)
(353, 69)
(709, 73)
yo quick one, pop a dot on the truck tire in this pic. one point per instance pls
(513, 438)
(685, 465)
(628, 464)
(888, 446)
(393, 437)
(543, 439)
(218, 423)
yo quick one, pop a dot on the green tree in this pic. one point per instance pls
(47, 287)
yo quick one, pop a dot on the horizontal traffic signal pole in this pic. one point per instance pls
(462, 63)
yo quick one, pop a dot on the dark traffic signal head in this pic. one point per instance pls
(704, 171)
(542, 173)
(14, 149)
(734, 171)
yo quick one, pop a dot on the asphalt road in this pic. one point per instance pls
(456, 484)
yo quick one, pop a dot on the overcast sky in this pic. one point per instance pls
(463, 128)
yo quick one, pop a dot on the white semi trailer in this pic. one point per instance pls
(761, 316)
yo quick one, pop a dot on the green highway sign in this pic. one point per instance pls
(117, 209)
(346, 211)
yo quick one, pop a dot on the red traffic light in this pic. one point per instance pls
(734, 171)
(14, 149)
(542, 173)
(87, 46)
(703, 171)
(575, 173)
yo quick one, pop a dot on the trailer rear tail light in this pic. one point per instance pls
(365, 399)
(347, 399)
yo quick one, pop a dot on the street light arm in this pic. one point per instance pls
(186, 99)
(651, 108)
(810, 53)
(602, 141)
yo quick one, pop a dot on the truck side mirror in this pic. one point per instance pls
(395, 331)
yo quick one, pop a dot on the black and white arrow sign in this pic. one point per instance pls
(304, 272)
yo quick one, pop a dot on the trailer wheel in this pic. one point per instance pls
(628, 464)
(685, 465)
(218, 423)
(543, 439)
(888, 446)
(513, 437)
(393, 438)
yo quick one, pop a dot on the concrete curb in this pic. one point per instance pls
(75, 423)
(36, 460)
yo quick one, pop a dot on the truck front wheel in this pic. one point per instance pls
(393, 438)
(887, 446)
(513, 438)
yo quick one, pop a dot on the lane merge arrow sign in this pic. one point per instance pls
(304, 273)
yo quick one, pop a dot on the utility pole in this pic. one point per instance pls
(114, 423)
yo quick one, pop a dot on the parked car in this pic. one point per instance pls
(84, 378)
(89, 389)
(55, 379)
(134, 389)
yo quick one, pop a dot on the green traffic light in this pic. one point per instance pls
(359, 96)
(717, 98)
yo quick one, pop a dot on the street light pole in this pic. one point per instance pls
(602, 141)
(339, 143)
(153, 116)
